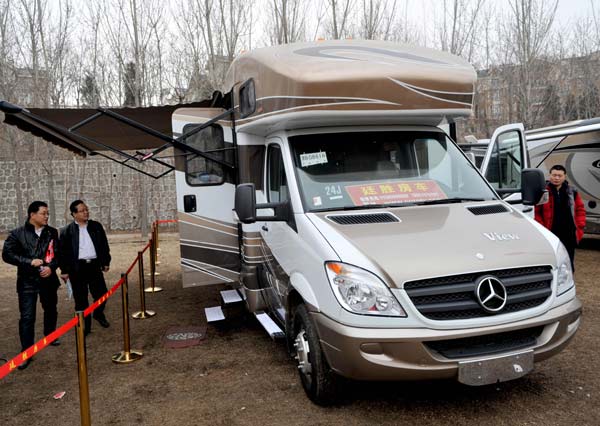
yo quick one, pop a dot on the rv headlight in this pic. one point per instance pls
(564, 276)
(362, 292)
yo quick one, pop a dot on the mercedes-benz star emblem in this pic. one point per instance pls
(491, 294)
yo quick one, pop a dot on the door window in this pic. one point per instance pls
(277, 188)
(201, 171)
(506, 162)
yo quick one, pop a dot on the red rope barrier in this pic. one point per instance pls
(103, 299)
(43, 343)
(132, 266)
(36, 347)
(12, 364)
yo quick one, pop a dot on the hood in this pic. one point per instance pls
(435, 241)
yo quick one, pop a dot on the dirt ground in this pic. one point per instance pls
(239, 376)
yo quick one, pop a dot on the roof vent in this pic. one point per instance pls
(489, 209)
(359, 219)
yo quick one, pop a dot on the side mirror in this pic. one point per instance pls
(533, 187)
(245, 207)
(245, 203)
(247, 98)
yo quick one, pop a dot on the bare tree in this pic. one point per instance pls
(530, 25)
(458, 30)
(340, 14)
(377, 19)
(287, 21)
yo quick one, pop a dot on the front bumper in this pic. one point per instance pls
(403, 354)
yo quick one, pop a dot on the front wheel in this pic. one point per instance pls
(318, 380)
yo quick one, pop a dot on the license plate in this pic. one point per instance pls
(492, 370)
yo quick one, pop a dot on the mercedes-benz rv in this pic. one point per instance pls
(355, 224)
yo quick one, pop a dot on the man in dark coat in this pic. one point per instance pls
(85, 256)
(32, 248)
(564, 213)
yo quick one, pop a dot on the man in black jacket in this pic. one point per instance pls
(85, 256)
(32, 248)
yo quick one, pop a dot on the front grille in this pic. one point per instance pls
(489, 209)
(488, 344)
(359, 219)
(453, 297)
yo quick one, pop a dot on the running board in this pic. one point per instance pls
(231, 296)
(269, 325)
(214, 314)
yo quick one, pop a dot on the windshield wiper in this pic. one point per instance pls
(450, 201)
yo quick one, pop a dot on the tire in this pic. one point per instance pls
(318, 380)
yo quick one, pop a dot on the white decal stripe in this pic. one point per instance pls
(199, 269)
(206, 243)
(429, 90)
(210, 248)
(279, 111)
(207, 227)
(210, 221)
(412, 88)
(345, 98)
(209, 266)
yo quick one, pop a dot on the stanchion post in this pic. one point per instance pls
(143, 313)
(126, 355)
(153, 273)
(84, 392)
(156, 243)
(157, 238)
(153, 256)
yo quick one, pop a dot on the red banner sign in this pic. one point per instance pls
(395, 192)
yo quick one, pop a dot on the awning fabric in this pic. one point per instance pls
(53, 125)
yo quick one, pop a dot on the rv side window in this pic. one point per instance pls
(506, 162)
(276, 180)
(200, 171)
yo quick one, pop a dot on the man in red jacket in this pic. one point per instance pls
(564, 213)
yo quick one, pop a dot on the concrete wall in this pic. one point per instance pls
(114, 193)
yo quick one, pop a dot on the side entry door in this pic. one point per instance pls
(205, 193)
(275, 238)
(505, 159)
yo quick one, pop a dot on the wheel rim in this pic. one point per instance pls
(302, 354)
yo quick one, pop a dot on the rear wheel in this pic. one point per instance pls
(318, 380)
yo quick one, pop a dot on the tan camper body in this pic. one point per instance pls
(361, 82)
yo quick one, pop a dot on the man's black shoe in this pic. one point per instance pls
(25, 364)
(55, 343)
(103, 322)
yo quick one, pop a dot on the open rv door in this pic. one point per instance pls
(208, 232)
(505, 159)
(576, 146)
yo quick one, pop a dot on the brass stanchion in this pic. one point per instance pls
(126, 355)
(156, 245)
(84, 392)
(143, 313)
(157, 239)
(152, 274)
(153, 254)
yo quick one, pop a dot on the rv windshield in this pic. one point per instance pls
(365, 169)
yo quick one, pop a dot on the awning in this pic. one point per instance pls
(68, 128)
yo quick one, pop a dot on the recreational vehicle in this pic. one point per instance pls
(321, 187)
